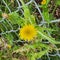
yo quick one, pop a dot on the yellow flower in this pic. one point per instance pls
(8, 46)
(43, 2)
(28, 32)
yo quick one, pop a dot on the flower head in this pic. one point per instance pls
(43, 2)
(27, 32)
(8, 46)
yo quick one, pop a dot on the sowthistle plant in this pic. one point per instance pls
(30, 32)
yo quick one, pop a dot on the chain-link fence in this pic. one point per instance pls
(12, 30)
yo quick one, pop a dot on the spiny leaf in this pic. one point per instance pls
(50, 39)
(14, 17)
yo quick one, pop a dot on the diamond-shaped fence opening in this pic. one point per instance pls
(11, 29)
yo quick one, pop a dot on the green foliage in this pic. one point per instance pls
(57, 2)
(14, 17)
(9, 37)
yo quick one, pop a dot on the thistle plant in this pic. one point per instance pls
(29, 32)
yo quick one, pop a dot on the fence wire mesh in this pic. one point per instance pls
(12, 30)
